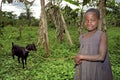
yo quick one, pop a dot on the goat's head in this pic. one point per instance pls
(31, 47)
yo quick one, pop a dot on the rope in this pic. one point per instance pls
(71, 57)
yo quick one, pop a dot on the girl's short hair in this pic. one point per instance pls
(96, 11)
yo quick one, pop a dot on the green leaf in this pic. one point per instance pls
(73, 2)
(85, 2)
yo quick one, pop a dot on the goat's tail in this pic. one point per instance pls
(12, 44)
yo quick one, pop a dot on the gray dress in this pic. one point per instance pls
(89, 70)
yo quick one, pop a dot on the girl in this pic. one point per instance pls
(93, 61)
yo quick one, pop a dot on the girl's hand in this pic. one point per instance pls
(78, 59)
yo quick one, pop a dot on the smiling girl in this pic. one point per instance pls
(93, 61)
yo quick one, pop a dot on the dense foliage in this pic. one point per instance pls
(112, 12)
(8, 18)
(59, 66)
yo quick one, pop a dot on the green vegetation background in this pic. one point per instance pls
(42, 69)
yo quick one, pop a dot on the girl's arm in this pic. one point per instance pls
(102, 51)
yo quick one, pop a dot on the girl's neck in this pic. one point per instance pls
(90, 34)
(92, 31)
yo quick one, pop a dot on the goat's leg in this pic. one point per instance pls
(13, 56)
(19, 59)
(23, 62)
(26, 61)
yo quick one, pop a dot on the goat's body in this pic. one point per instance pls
(20, 52)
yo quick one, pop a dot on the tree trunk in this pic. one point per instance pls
(43, 31)
(0, 17)
(65, 27)
(1, 5)
(28, 13)
(80, 24)
(102, 8)
(54, 12)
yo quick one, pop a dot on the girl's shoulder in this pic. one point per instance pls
(102, 35)
(101, 32)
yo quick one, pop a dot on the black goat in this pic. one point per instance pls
(31, 47)
(21, 52)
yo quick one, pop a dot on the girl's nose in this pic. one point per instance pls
(89, 22)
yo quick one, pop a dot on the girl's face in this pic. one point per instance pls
(91, 21)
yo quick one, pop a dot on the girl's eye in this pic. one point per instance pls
(90, 20)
